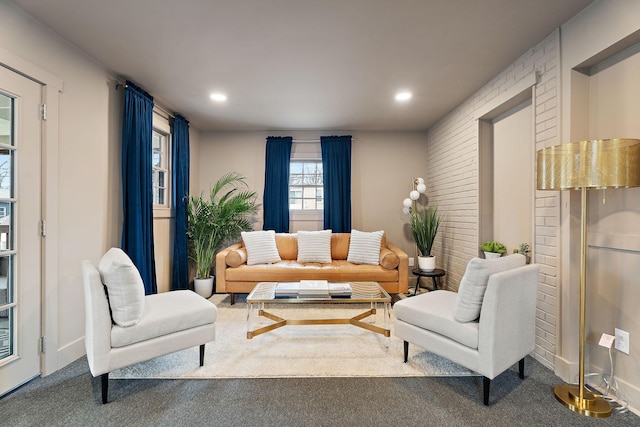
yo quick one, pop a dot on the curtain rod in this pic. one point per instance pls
(160, 110)
(308, 141)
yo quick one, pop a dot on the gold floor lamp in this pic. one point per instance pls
(584, 165)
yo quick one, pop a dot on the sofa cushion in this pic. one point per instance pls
(261, 247)
(389, 259)
(434, 311)
(124, 287)
(287, 244)
(236, 257)
(364, 247)
(314, 246)
(166, 313)
(474, 283)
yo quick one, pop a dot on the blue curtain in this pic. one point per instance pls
(336, 169)
(137, 203)
(180, 185)
(275, 201)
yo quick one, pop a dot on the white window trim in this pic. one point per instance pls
(161, 125)
(306, 151)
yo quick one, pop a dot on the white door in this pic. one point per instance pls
(20, 241)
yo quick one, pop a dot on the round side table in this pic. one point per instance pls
(438, 272)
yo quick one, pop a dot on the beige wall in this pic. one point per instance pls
(382, 167)
(602, 103)
(83, 226)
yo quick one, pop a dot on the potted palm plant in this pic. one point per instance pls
(212, 222)
(424, 223)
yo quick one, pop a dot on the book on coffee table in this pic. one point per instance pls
(314, 289)
(287, 289)
(340, 289)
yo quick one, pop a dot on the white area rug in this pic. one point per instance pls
(295, 351)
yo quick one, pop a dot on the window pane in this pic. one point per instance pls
(305, 182)
(161, 176)
(6, 227)
(6, 173)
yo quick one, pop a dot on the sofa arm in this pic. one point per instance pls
(403, 267)
(221, 266)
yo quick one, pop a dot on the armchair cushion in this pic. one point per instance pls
(474, 284)
(124, 287)
(433, 311)
(164, 314)
(314, 246)
(364, 247)
(261, 247)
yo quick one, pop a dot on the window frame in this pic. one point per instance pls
(162, 127)
(305, 151)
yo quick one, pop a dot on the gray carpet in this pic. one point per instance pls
(71, 397)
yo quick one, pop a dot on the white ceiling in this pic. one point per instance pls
(306, 64)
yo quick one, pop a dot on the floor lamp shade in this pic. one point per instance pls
(584, 165)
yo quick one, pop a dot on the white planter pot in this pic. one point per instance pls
(427, 263)
(490, 255)
(203, 287)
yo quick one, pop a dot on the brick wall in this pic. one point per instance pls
(453, 180)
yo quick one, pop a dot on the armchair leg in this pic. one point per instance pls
(201, 354)
(232, 299)
(104, 379)
(486, 383)
(521, 368)
(406, 351)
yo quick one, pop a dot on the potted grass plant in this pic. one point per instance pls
(211, 222)
(424, 222)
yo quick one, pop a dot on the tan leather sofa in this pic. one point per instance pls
(233, 275)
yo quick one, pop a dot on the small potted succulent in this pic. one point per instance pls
(492, 249)
(525, 250)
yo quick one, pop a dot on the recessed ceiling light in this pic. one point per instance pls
(403, 96)
(218, 97)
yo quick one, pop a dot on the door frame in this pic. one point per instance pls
(51, 88)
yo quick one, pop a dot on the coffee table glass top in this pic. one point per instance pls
(360, 292)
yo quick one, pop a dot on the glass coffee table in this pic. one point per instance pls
(265, 294)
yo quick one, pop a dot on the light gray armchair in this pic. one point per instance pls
(502, 293)
(124, 327)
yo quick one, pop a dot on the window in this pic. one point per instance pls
(306, 192)
(160, 166)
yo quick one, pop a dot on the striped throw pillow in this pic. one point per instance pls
(364, 247)
(314, 246)
(261, 247)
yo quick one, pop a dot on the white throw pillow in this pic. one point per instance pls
(364, 247)
(474, 283)
(124, 287)
(261, 247)
(314, 246)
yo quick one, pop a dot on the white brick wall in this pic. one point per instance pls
(453, 181)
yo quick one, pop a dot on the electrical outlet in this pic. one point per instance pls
(622, 341)
(411, 261)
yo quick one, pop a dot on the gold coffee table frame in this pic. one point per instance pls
(361, 292)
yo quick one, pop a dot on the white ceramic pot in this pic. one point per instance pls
(490, 255)
(427, 263)
(203, 287)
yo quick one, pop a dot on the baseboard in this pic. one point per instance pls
(70, 353)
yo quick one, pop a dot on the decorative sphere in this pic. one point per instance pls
(407, 203)
(406, 210)
(419, 181)
(421, 188)
(414, 195)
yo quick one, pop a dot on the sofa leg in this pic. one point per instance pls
(521, 368)
(201, 354)
(104, 380)
(406, 351)
(233, 298)
(486, 382)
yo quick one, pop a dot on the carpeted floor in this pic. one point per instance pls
(71, 397)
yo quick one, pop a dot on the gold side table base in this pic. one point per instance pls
(592, 405)
(355, 321)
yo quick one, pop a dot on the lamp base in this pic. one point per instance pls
(592, 405)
